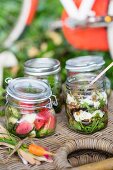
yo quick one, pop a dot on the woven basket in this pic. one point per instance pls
(73, 149)
(82, 151)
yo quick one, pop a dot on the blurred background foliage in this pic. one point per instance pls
(38, 40)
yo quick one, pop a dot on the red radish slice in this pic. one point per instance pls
(50, 125)
(24, 128)
(39, 123)
(44, 114)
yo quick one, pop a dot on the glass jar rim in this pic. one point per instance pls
(81, 81)
(42, 66)
(85, 63)
(29, 90)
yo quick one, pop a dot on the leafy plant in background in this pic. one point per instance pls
(8, 16)
(39, 40)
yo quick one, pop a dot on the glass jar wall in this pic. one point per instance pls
(87, 64)
(48, 70)
(86, 110)
(29, 110)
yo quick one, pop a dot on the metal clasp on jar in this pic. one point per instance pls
(52, 102)
(49, 105)
(55, 103)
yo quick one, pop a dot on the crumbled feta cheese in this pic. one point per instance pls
(70, 99)
(28, 117)
(103, 96)
(90, 99)
(101, 114)
(96, 104)
(87, 100)
(83, 115)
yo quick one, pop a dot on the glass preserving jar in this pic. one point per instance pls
(85, 64)
(86, 110)
(29, 110)
(46, 69)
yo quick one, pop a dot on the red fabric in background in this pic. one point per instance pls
(88, 38)
(32, 11)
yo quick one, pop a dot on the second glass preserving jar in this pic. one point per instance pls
(88, 64)
(46, 69)
(29, 110)
(86, 110)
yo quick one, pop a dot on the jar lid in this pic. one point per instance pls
(85, 63)
(82, 80)
(28, 90)
(42, 66)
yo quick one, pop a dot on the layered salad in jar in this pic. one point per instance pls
(27, 121)
(87, 110)
(29, 110)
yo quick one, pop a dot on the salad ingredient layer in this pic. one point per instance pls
(87, 113)
(34, 123)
